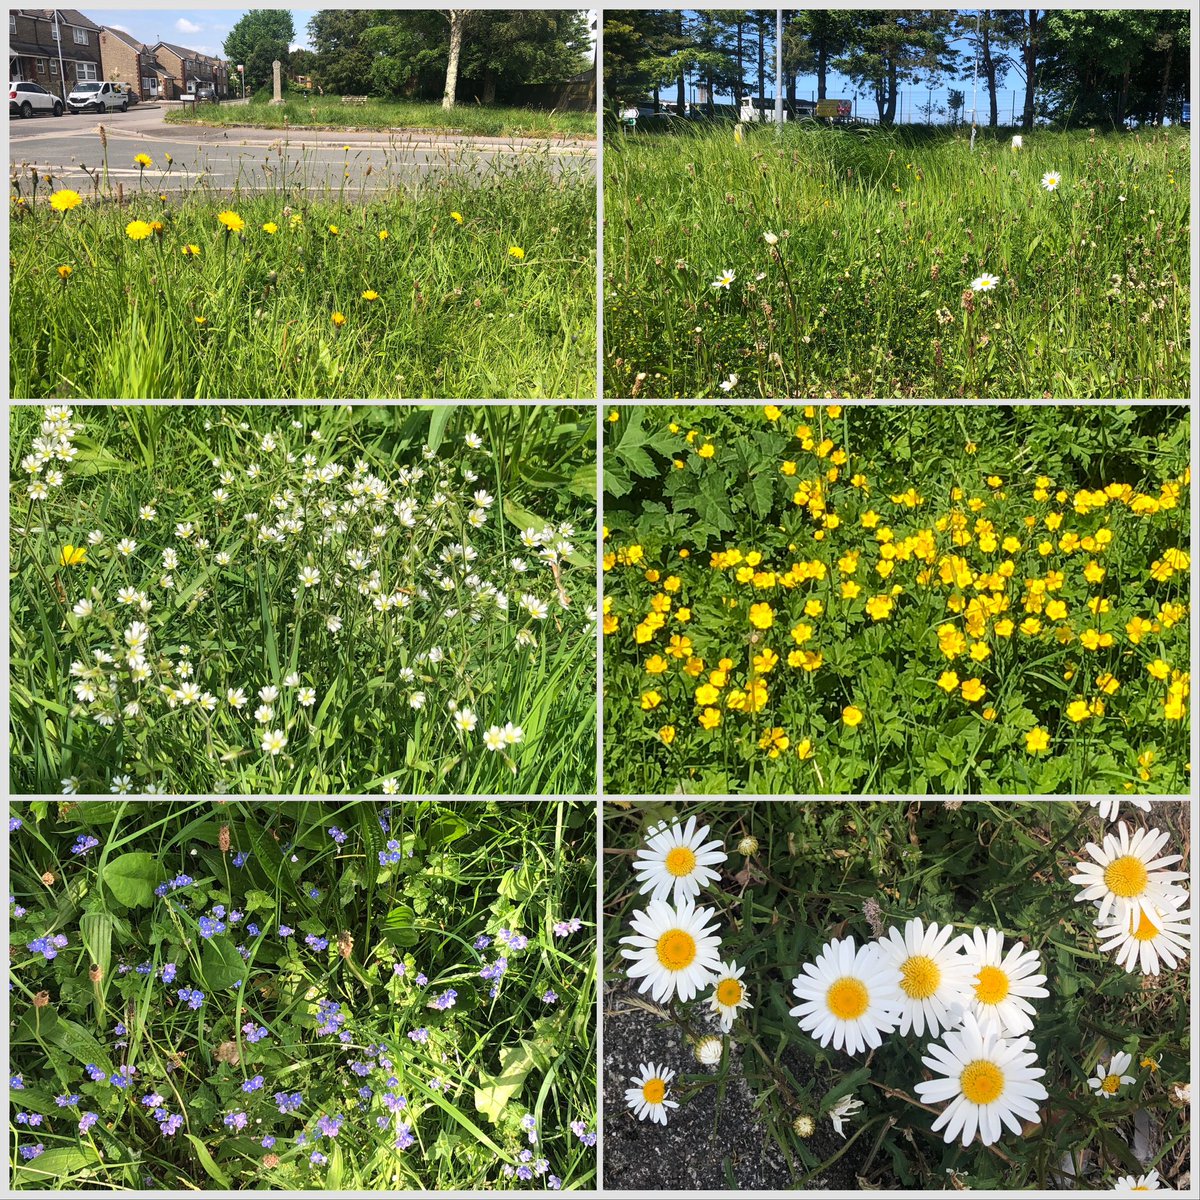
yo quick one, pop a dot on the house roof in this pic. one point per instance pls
(184, 52)
(66, 16)
(127, 38)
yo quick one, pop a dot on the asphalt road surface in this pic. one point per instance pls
(69, 148)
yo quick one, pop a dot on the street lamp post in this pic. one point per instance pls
(242, 73)
(62, 70)
(778, 70)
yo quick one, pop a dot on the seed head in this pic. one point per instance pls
(41, 1000)
(223, 839)
(803, 1126)
(270, 1160)
(748, 846)
(96, 973)
(48, 878)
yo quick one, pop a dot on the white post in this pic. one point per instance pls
(778, 69)
(62, 70)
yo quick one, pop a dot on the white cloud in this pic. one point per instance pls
(122, 29)
(186, 26)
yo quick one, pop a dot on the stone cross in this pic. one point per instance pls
(278, 97)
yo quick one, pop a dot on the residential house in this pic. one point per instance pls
(190, 69)
(126, 60)
(56, 47)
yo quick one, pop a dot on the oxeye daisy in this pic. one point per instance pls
(989, 1081)
(934, 976)
(848, 996)
(677, 859)
(724, 279)
(648, 1096)
(674, 951)
(1139, 1183)
(1109, 1079)
(1127, 876)
(729, 994)
(985, 283)
(1110, 808)
(1155, 936)
(1002, 983)
(1051, 180)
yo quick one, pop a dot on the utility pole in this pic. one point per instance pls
(62, 70)
(778, 70)
(975, 79)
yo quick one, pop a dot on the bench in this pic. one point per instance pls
(354, 99)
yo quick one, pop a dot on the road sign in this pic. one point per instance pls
(833, 108)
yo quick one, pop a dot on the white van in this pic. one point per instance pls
(100, 97)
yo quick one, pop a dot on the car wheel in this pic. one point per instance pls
(26, 110)
(58, 108)
(125, 106)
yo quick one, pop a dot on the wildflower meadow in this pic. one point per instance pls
(920, 995)
(868, 262)
(302, 600)
(899, 600)
(254, 995)
(469, 281)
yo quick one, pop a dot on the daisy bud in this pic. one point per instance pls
(803, 1126)
(708, 1051)
(748, 846)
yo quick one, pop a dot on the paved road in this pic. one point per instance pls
(69, 148)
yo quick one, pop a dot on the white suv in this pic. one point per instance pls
(100, 96)
(25, 99)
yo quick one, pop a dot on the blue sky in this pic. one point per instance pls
(202, 29)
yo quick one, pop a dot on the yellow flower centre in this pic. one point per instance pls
(920, 977)
(1145, 931)
(1126, 876)
(1111, 1083)
(676, 949)
(680, 861)
(981, 1081)
(992, 985)
(653, 1090)
(729, 992)
(847, 998)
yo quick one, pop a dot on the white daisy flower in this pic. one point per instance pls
(934, 976)
(416, 701)
(1140, 1183)
(990, 1083)
(147, 512)
(473, 441)
(1109, 808)
(1002, 983)
(1156, 936)
(514, 735)
(729, 994)
(647, 1097)
(677, 859)
(268, 694)
(1110, 1079)
(985, 283)
(310, 576)
(1127, 876)
(187, 693)
(1051, 180)
(724, 279)
(126, 546)
(83, 608)
(674, 951)
(848, 996)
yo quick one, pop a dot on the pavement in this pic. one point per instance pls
(314, 160)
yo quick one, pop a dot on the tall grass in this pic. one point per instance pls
(318, 111)
(867, 292)
(364, 289)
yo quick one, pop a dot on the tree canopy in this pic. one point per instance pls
(257, 40)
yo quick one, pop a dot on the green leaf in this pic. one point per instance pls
(220, 963)
(437, 433)
(57, 1164)
(206, 1161)
(446, 829)
(399, 926)
(495, 1091)
(132, 878)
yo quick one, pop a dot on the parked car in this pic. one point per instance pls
(25, 99)
(100, 97)
(205, 91)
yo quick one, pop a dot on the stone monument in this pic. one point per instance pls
(278, 97)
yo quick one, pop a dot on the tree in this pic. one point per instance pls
(818, 37)
(887, 48)
(644, 49)
(459, 18)
(342, 61)
(993, 35)
(257, 40)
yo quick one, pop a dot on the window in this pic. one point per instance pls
(80, 35)
(85, 70)
(54, 32)
(39, 66)
(54, 68)
(12, 22)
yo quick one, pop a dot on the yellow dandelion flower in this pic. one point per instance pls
(232, 222)
(516, 252)
(143, 160)
(383, 235)
(65, 271)
(270, 227)
(65, 199)
(339, 319)
(138, 231)
(457, 218)
(72, 556)
(370, 295)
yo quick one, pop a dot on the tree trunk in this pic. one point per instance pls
(657, 103)
(680, 83)
(893, 87)
(741, 75)
(1161, 116)
(1122, 100)
(989, 71)
(822, 70)
(1030, 54)
(458, 19)
(489, 86)
(709, 102)
(762, 64)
